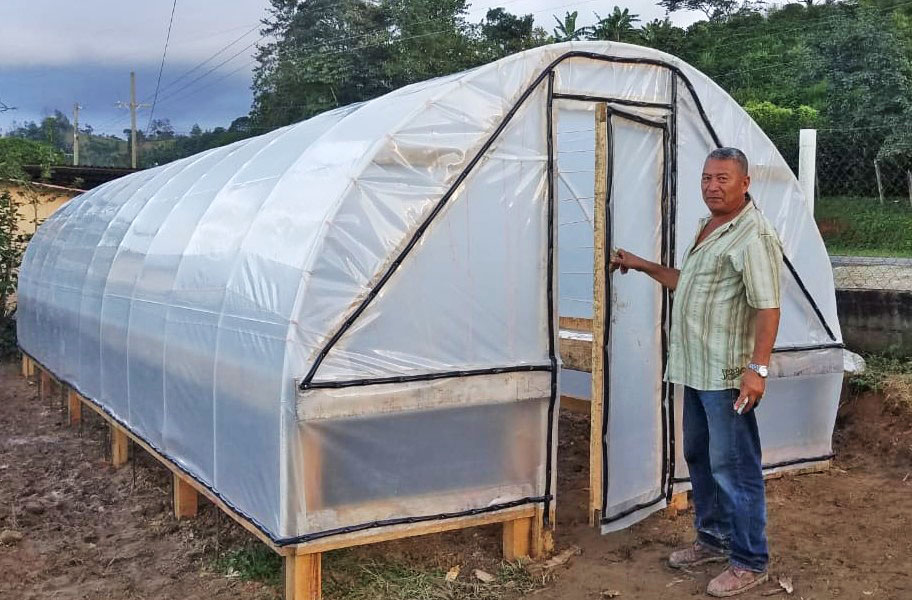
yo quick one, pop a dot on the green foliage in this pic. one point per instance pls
(862, 226)
(566, 30)
(12, 246)
(15, 152)
(616, 27)
(782, 124)
(878, 369)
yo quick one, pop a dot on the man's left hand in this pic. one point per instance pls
(752, 388)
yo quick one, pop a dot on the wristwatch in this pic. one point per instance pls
(761, 370)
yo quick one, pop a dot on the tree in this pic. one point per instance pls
(713, 9)
(616, 27)
(504, 33)
(567, 30)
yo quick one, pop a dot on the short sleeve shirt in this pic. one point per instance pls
(724, 280)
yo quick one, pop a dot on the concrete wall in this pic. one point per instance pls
(876, 320)
(36, 201)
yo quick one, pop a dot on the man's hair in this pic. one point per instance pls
(730, 154)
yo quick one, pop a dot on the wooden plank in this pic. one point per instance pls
(25, 365)
(598, 311)
(576, 324)
(304, 576)
(517, 538)
(678, 504)
(395, 532)
(74, 408)
(186, 499)
(580, 406)
(817, 467)
(119, 446)
(542, 537)
(576, 354)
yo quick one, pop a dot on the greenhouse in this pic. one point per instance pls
(354, 322)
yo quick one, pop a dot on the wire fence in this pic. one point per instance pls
(863, 208)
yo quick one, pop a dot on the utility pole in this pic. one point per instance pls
(133, 106)
(76, 108)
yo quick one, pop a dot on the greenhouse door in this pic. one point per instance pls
(629, 411)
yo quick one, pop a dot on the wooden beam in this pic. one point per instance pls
(186, 499)
(25, 365)
(74, 408)
(576, 354)
(119, 446)
(304, 576)
(576, 324)
(404, 530)
(517, 538)
(598, 311)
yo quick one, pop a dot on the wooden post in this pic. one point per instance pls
(598, 312)
(909, 178)
(678, 503)
(25, 366)
(74, 408)
(44, 385)
(119, 448)
(879, 185)
(517, 538)
(186, 499)
(303, 577)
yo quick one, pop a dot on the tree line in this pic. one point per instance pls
(831, 65)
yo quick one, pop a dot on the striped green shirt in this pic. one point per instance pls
(724, 280)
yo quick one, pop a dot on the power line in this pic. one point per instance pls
(162, 67)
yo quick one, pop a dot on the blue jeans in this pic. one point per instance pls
(722, 449)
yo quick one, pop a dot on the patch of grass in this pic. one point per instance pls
(256, 562)
(879, 371)
(861, 226)
(347, 577)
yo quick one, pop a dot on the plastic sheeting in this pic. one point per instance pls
(191, 300)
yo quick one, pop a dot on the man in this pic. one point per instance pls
(724, 322)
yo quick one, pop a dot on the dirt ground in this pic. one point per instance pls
(92, 532)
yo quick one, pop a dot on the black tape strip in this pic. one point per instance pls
(807, 295)
(666, 260)
(611, 100)
(425, 376)
(778, 465)
(833, 346)
(552, 314)
(672, 257)
(631, 510)
(636, 118)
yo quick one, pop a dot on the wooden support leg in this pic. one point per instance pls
(25, 365)
(186, 499)
(44, 385)
(303, 577)
(118, 446)
(517, 539)
(74, 408)
(678, 503)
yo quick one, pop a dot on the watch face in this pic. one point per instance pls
(763, 371)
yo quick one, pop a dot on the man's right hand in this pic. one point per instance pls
(624, 260)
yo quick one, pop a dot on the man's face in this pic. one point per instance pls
(724, 186)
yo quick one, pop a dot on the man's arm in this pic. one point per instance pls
(625, 261)
(752, 385)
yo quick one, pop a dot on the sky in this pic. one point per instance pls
(54, 54)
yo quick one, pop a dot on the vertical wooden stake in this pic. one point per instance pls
(44, 385)
(119, 444)
(25, 366)
(598, 312)
(909, 178)
(74, 408)
(186, 499)
(517, 535)
(303, 577)
(678, 503)
(879, 185)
